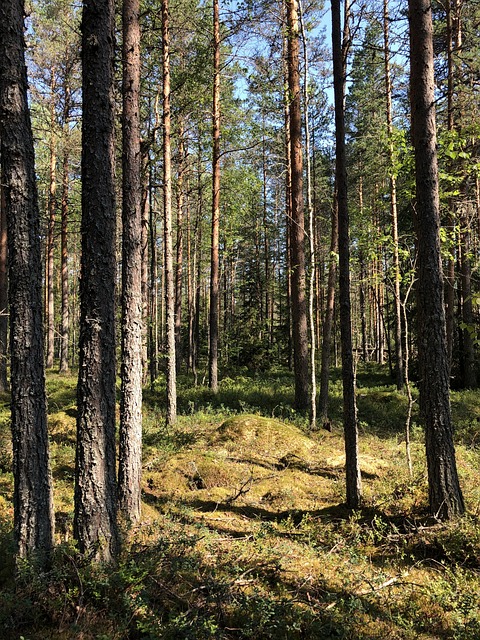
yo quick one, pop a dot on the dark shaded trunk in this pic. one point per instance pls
(444, 490)
(297, 226)
(32, 494)
(467, 351)
(95, 526)
(328, 319)
(3, 288)
(130, 445)
(352, 464)
(179, 252)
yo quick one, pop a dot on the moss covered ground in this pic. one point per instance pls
(244, 532)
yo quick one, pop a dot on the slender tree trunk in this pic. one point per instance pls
(179, 260)
(329, 315)
(65, 327)
(95, 526)
(393, 203)
(453, 42)
(363, 318)
(32, 493)
(214, 260)
(52, 206)
(171, 415)
(297, 227)
(444, 490)
(3, 288)
(145, 289)
(352, 464)
(130, 445)
(467, 355)
(153, 297)
(311, 237)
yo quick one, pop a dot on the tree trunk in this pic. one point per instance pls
(393, 204)
(65, 327)
(171, 415)
(179, 260)
(444, 490)
(214, 260)
(297, 227)
(352, 465)
(467, 352)
(3, 288)
(311, 236)
(95, 525)
(52, 205)
(329, 314)
(32, 493)
(130, 445)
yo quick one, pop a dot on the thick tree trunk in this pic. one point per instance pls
(130, 445)
(171, 415)
(297, 227)
(444, 490)
(3, 288)
(32, 497)
(214, 259)
(352, 464)
(95, 525)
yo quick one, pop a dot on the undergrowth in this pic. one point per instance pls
(244, 533)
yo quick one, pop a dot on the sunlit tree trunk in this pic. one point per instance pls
(52, 206)
(32, 492)
(214, 259)
(444, 490)
(297, 226)
(171, 415)
(130, 444)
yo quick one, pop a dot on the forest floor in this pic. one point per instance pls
(244, 531)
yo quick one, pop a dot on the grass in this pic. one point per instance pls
(244, 533)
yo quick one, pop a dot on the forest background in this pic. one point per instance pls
(255, 302)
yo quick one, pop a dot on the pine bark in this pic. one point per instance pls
(171, 374)
(3, 288)
(95, 526)
(32, 499)
(297, 226)
(445, 495)
(130, 445)
(352, 465)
